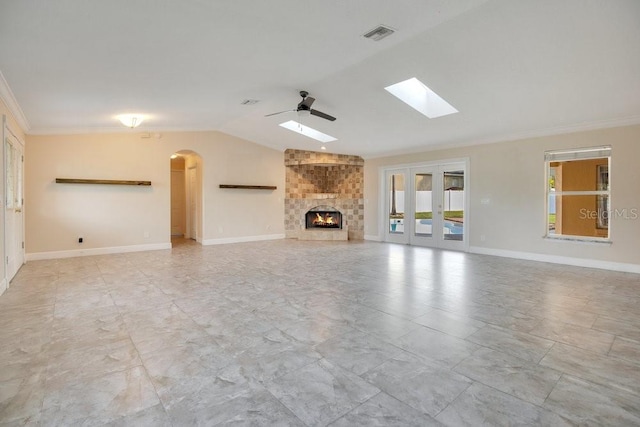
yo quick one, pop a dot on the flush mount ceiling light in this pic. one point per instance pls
(307, 131)
(417, 95)
(131, 120)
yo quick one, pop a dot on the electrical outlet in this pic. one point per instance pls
(146, 234)
(80, 240)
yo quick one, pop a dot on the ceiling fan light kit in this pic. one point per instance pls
(131, 120)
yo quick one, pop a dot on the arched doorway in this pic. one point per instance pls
(186, 197)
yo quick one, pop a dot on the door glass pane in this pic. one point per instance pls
(18, 179)
(424, 204)
(396, 203)
(9, 174)
(453, 205)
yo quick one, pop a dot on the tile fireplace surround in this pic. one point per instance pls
(316, 179)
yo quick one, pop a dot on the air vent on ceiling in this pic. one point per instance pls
(379, 33)
(249, 101)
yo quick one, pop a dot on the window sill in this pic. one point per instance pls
(577, 239)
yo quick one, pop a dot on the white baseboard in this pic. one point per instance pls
(371, 237)
(96, 251)
(242, 239)
(554, 259)
(3, 286)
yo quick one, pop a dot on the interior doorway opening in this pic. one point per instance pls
(186, 197)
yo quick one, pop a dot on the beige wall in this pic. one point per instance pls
(512, 176)
(112, 216)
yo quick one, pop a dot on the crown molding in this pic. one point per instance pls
(6, 95)
(117, 129)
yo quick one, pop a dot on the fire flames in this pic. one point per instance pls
(326, 220)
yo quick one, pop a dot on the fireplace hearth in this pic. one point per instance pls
(323, 219)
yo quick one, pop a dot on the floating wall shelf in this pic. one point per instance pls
(101, 181)
(250, 187)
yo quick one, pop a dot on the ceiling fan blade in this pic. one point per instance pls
(306, 103)
(321, 114)
(280, 112)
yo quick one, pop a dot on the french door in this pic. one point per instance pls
(425, 205)
(14, 203)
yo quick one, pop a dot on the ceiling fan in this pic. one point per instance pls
(305, 107)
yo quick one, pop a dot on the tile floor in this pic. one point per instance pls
(317, 333)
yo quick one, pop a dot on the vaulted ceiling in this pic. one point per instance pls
(511, 68)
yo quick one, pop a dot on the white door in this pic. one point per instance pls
(451, 204)
(438, 206)
(432, 199)
(14, 203)
(193, 203)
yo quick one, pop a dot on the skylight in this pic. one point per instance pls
(417, 95)
(307, 131)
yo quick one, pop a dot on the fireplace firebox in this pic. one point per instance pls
(323, 218)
